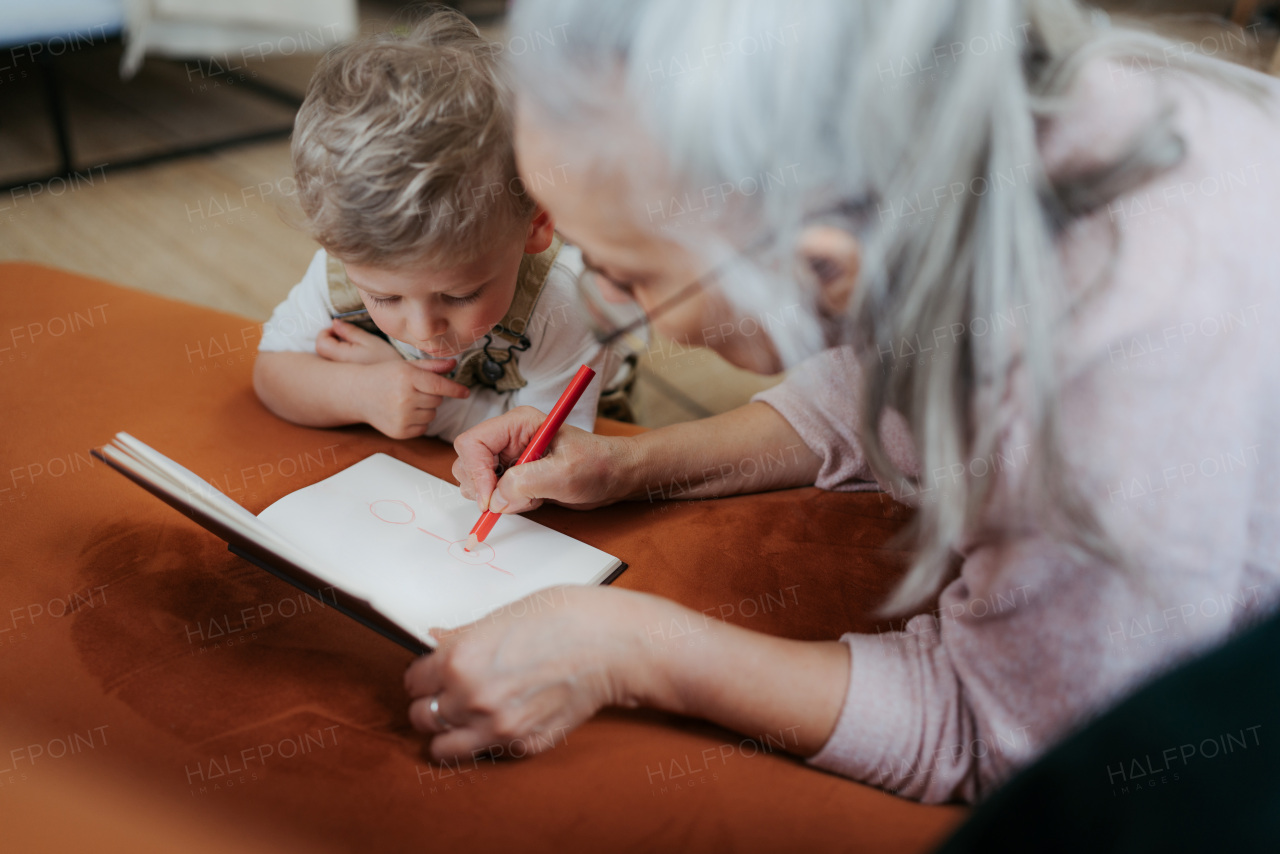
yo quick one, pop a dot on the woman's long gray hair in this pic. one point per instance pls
(887, 109)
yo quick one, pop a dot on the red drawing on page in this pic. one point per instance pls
(396, 512)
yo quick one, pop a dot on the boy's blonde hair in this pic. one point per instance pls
(403, 151)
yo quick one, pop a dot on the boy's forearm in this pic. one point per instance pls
(748, 449)
(308, 390)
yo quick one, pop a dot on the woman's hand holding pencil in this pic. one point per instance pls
(538, 444)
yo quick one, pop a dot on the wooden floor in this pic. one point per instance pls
(214, 228)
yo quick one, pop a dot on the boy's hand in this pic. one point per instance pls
(346, 342)
(400, 398)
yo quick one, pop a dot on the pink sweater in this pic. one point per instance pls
(1172, 426)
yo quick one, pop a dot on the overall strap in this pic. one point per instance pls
(499, 368)
(345, 299)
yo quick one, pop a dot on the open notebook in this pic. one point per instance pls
(380, 541)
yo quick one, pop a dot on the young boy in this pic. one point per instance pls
(442, 295)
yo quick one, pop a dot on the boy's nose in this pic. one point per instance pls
(424, 327)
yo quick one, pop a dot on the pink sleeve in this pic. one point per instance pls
(1174, 450)
(1169, 419)
(902, 710)
(1027, 644)
(820, 399)
(928, 714)
(1170, 407)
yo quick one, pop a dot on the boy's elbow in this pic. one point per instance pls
(263, 374)
(259, 375)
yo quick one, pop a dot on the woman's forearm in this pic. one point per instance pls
(756, 684)
(308, 390)
(748, 449)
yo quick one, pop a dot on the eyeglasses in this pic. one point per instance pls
(609, 323)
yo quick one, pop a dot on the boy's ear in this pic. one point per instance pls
(542, 230)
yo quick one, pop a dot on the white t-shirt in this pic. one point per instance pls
(560, 341)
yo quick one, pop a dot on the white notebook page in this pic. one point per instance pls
(393, 534)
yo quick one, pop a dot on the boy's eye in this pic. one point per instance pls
(380, 300)
(463, 300)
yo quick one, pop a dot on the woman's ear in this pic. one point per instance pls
(542, 230)
(835, 258)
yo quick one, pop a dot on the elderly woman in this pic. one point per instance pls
(1048, 249)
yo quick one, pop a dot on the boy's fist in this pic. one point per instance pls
(400, 398)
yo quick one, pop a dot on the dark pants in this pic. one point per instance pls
(1189, 763)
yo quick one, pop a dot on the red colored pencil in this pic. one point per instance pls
(538, 444)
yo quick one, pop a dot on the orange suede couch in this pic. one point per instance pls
(141, 709)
